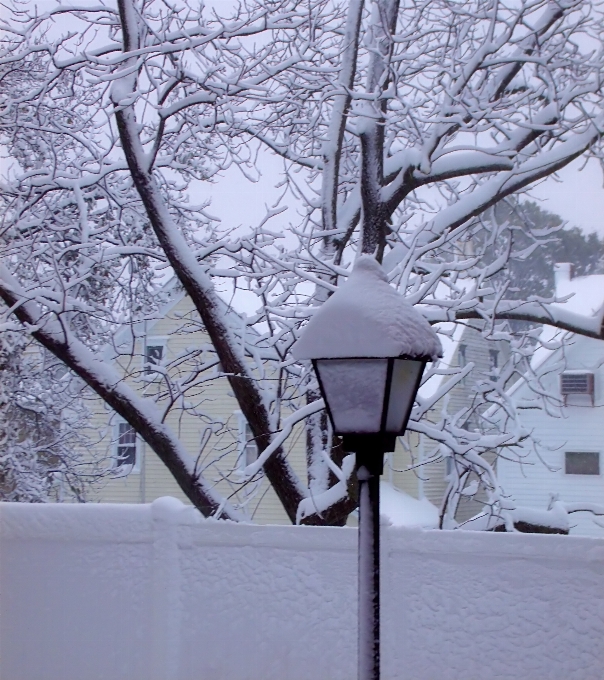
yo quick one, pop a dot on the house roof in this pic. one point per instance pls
(582, 295)
(450, 333)
(586, 292)
(175, 294)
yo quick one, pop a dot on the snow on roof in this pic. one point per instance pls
(587, 299)
(366, 317)
(402, 510)
(587, 291)
(145, 327)
(449, 333)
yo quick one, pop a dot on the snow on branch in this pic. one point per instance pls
(281, 436)
(400, 130)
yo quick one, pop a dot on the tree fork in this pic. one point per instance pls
(186, 268)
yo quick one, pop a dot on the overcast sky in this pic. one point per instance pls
(578, 197)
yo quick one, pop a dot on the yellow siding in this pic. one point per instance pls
(215, 405)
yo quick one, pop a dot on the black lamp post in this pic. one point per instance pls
(369, 402)
(369, 349)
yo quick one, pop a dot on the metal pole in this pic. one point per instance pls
(368, 474)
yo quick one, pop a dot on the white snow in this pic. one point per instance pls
(402, 510)
(587, 293)
(556, 518)
(449, 336)
(366, 317)
(586, 298)
(449, 333)
(138, 592)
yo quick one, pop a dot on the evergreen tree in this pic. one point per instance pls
(538, 239)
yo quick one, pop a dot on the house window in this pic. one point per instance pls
(248, 449)
(582, 463)
(493, 363)
(577, 382)
(154, 355)
(462, 358)
(125, 458)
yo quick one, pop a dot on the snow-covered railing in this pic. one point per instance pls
(153, 592)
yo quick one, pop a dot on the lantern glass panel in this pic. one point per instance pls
(405, 377)
(354, 390)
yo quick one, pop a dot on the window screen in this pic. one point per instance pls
(582, 463)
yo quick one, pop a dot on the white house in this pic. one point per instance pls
(564, 458)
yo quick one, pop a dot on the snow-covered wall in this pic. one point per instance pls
(150, 592)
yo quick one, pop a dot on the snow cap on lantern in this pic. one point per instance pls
(366, 317)
(369, 348)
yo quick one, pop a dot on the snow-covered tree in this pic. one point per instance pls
(398, 125)
(43, 427)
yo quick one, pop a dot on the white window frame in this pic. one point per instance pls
(124, 469)
(153, 341)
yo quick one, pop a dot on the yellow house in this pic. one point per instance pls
(170, 359)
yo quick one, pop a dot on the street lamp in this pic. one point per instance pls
(369, 348)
